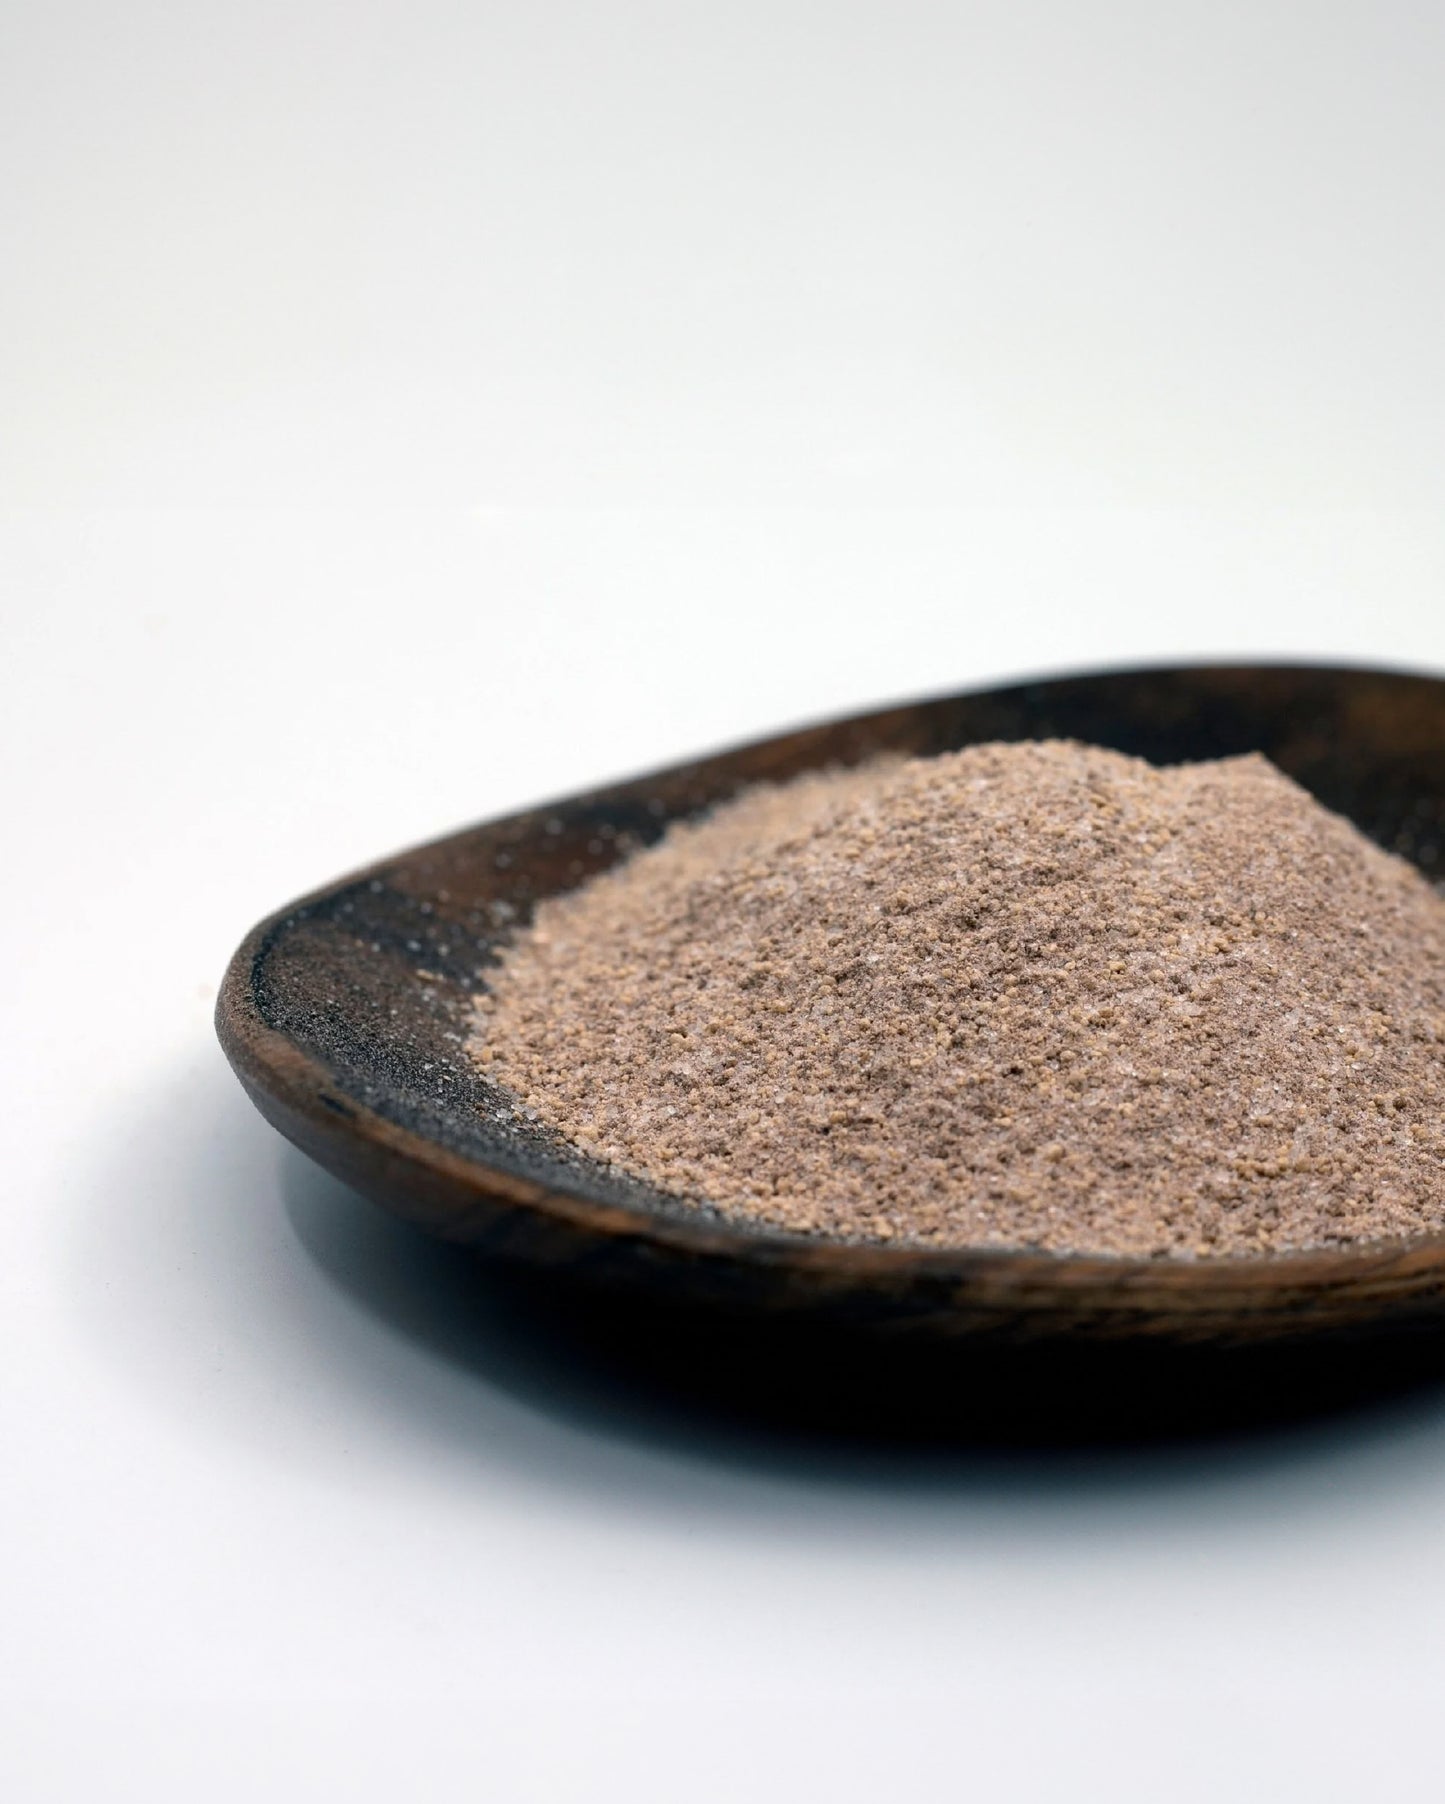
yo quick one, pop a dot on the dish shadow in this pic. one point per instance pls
(788, 1397)
(251, 1294)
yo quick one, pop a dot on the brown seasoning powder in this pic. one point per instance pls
(1032, 995)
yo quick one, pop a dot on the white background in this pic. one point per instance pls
(407, 413)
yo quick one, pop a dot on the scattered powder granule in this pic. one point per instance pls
(1035, 995)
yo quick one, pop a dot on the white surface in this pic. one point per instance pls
(409, 413)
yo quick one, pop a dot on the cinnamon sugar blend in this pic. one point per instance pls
(1032, 995)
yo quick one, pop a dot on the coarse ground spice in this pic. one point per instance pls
(1032, 995)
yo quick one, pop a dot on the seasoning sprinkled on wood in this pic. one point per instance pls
(1020, 995)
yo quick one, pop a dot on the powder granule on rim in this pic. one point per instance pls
(1034, 994)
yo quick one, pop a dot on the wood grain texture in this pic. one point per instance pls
(345, 1016)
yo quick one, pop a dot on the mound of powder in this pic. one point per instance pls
(1032, 995)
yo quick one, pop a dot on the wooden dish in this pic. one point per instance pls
(345, 1016)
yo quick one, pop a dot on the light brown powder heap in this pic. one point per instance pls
(1036, 994)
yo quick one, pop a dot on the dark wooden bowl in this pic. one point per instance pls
(345, 1016)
